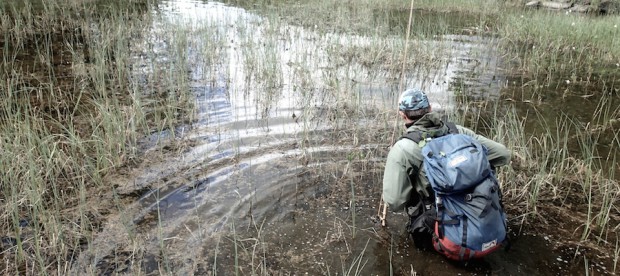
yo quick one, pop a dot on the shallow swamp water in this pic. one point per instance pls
(280, 171)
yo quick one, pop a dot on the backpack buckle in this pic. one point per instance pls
(438, 201)
(468, 197)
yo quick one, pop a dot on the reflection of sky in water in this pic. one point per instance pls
(200, 12)
(272, 71)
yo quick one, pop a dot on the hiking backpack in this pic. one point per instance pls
(468, 219)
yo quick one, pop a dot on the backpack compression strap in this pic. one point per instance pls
(418, 136)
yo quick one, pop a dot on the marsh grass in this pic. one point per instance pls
(565, 48)
(549, 172)
(66, 120)
(616, 253)
(357, 264)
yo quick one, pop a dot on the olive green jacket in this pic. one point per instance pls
(405, 159)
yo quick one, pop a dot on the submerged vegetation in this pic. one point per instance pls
(91, 88)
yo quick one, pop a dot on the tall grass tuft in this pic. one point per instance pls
(69, 116)
(560, 167)
(554, 49)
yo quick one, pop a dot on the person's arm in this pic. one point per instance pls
(396, 184)
(498, 154)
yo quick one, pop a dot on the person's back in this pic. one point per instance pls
(405, 182)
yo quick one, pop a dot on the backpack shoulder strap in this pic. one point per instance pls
(416, 136)
(452, 127)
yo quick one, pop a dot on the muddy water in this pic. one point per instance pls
(272, 178)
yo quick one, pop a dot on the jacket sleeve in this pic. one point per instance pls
(498, 156)
(397, 186)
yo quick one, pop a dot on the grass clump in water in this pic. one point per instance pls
(557, 48)
(69, 116)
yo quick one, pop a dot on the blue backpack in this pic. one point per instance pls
(468, 219)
